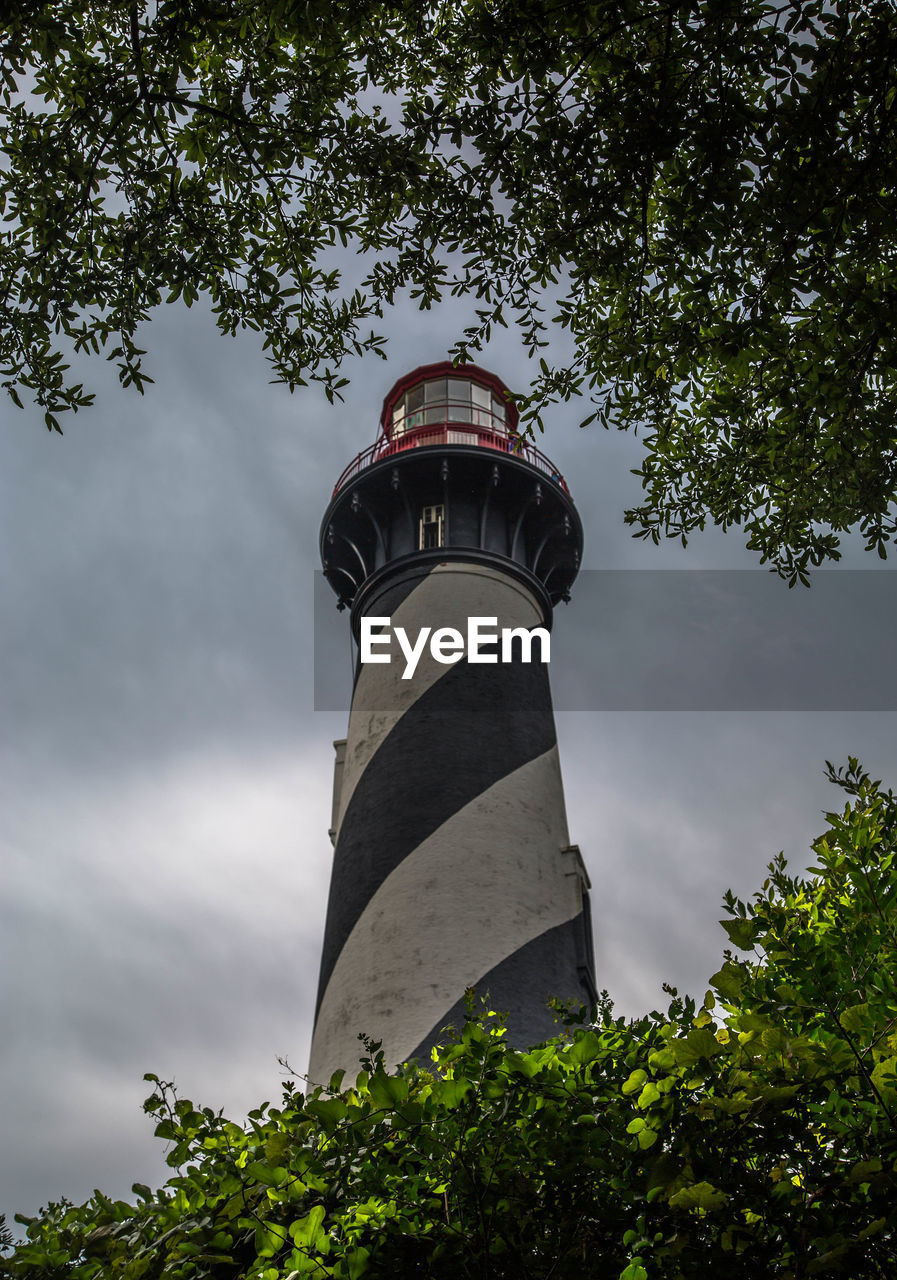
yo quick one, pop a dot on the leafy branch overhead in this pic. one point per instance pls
(752, 1137)
(701, 194)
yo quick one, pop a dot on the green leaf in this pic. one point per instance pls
(308, 1232)
(697, 1044)
(329, 1111)
(728, 981)
(742, 933)
(864, 1170)
(855, 1018)
(265, 1174)
(700, 1195)
(585, 1048)
(387, 1091)
(276, 1147)
(648, 1095)
(884, 1076)
(451, 1093)
(634, 1271)
(358, 1260)
(635, 1081)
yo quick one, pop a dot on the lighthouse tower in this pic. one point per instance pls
(453, 866)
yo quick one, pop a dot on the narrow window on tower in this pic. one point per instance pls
(431, 527)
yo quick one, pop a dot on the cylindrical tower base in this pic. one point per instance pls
(452, 867)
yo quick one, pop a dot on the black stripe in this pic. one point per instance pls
(392, 598)
(521, 986)
(394, 592)
(477, 724)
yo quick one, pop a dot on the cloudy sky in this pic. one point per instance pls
(166, 780)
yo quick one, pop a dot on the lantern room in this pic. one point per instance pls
(469, 401)
(443, 404)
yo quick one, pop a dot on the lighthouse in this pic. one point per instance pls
(452, 862)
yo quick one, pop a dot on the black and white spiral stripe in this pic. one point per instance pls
(452, 865)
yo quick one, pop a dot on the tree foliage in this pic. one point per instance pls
(753, 1136)
(699, 192)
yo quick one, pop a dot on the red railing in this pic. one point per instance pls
(451, 433)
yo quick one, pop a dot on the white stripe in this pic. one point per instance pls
(448, 595)
(486, 882)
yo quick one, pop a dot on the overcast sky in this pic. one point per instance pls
(166, 781)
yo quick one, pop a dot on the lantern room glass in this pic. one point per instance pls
(440, 401)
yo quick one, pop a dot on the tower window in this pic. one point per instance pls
(432, 522)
